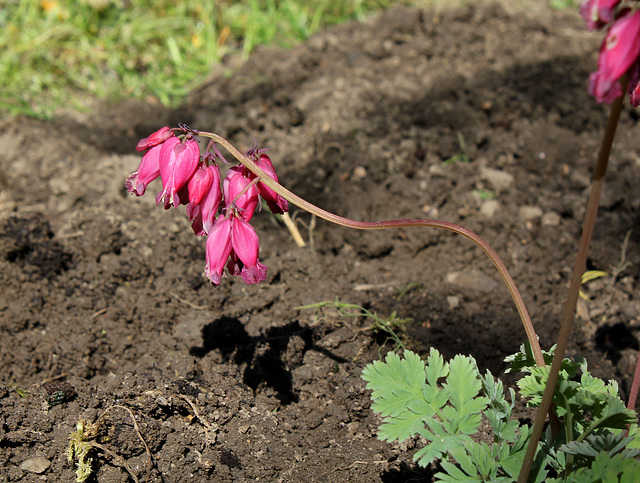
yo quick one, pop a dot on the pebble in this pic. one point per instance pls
(498, 179)
(472, 279)
(453, 301)
(437, 170)
(489, 208)
(529, 213)
(38, 465)
(551, 218)
(359, 173)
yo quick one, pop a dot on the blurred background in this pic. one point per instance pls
(68, 54)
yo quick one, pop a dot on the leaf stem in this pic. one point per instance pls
(633, 394)
(381, 225)
(574, 286)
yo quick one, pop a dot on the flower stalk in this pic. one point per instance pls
(574, 286)
(382, 225)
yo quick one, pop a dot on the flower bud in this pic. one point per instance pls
(199, 184)
(239, 192)
(598, 13)
(156, 138)
(277, 204)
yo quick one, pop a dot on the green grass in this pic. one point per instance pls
(63, 53)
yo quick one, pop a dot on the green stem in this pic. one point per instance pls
(574, 287)
(381, 225)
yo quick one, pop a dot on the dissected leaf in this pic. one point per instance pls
(397, 392)
(601, 442)
(444, 403)
(605, 469)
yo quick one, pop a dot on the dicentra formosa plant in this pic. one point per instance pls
(587, 446)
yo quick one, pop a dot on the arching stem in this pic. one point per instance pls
(382, 225)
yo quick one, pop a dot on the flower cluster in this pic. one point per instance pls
(620, 49)
(221, 211)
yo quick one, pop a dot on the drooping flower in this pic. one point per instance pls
(158, 137)
(619, 51)
(233, 242)
(178, 162)
(202, 212)
(246, 247)
(218, 248)
(200, 183)
(598, 13)
(277, 204)
(240, 192)
(148, 170)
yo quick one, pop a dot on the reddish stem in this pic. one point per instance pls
(381, 225)
(633, 395)
(574, 285)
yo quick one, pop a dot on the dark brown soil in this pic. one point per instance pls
(103, 305)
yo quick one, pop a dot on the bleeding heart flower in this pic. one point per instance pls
(203, 213)
(598, 13)
(619, 51)
(233, 242)
(178, 162)
(148, 170)
(218, 248)
(158, 137)
(240, 192)
(246, 246)
(277, 204)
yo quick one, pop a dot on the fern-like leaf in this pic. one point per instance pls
(397, 395)
(408, 395)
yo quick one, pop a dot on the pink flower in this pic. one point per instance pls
(218, 248)
(233, 242)
(618, 52)
(277, 204)
(200, 183)
(598, 13)
(203, 212)
(158, 137)
(178, 161)
(246, 247)
(239, 192)
(148, 170)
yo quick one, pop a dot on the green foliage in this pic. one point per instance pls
(563, 4)
(444, 402)
(64, 52)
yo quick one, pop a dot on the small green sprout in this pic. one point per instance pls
(462, 155)
(484, 194)
(388, 325)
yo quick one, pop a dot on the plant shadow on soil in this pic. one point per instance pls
(103, 303)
